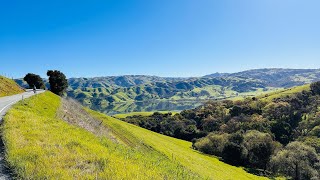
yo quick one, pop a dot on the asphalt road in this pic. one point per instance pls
(5, 104)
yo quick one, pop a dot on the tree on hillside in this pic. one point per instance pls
(260, 146)
(58, 82)
(234, 152)
(315, 87)
(298, 161)
(34, 80)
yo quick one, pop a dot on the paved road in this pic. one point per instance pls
(5, 104)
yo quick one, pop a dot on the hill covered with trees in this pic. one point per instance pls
(275, 134)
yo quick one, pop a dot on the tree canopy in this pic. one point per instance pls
(34, 80)
(58, 82)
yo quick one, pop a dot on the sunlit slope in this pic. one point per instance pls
(8, 87)
(177, 150)
(40, 146)
(285, 92)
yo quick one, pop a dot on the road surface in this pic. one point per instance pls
(5, 104)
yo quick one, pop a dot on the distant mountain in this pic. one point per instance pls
(277, 77)
(101, 91)
(217, 74)
(90, 91)
(118, 81)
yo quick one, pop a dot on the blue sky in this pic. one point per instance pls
(157, 37)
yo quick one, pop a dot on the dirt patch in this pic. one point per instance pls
(72, 112)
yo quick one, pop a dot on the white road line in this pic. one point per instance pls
(25, 95)
(8, 105)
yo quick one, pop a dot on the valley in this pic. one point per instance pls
(131, 93)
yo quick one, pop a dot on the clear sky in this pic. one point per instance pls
(157, 37)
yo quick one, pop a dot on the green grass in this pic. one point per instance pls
(282, 93)
(120, 116)
(177, 150)
(41, 146)
(8, 87)
(258, 93)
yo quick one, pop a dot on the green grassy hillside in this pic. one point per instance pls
(8, 87)
(177, 150)
(41, 146)
(187, 89)
(286, 92)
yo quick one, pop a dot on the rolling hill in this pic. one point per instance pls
(277, 77)
(104, 93)
(41, 144)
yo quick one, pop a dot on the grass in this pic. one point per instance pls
(41, 146)
(120, 116)
(177, 150)
(8, 87)
(282, 93)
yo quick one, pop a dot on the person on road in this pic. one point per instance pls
(34, 89)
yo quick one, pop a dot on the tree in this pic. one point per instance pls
(298, 161)
(233, 151)
(34, 80)
(281, 115)
(260, 147)
(315, 87)
(212, 144)
(58, 82)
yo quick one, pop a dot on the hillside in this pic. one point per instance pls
(42, 146)
(122, 94)
(9, 87)
(189, 89)
(277, 77)
(267, 133)
(101, 90)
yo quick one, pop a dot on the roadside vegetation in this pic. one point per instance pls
(40, 145)
(9, 87)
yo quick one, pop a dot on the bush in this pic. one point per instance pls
(315, 87)
(234, 151)
(315, 131)
(212, 144)
(298, 161)
(260, 146)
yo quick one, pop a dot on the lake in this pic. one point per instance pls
(160, 105)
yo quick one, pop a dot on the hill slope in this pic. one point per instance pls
(94, 92)
(277, 77)
(41, 146)
(8, 87)
(114, 93)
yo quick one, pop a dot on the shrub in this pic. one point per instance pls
(315, 87)
(260, 146)
(298, 161)
(212, 144)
